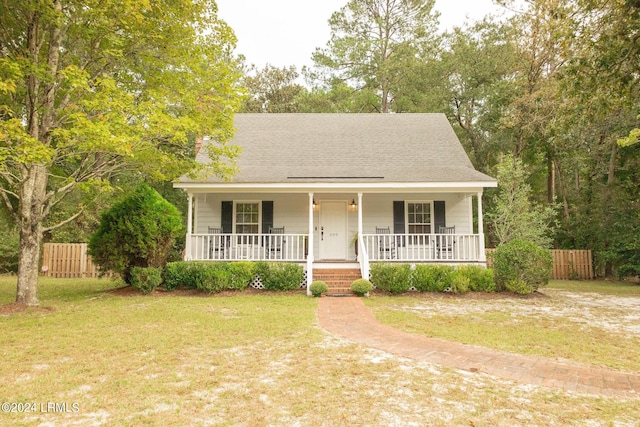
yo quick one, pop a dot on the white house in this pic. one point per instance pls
(311, 188)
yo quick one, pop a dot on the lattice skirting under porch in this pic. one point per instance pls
(257, 282)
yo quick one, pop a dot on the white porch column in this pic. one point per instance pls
(310, 246)
(483, 255)
(360, 226)
(187, 255)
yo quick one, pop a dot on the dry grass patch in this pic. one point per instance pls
(597, 328)
(245, 360)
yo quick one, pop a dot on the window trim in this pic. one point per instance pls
(235, 212)
(406, 215)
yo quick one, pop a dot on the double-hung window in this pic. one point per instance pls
(419, 217)
(247, 217)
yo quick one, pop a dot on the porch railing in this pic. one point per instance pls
(250, 247)
(422, 247)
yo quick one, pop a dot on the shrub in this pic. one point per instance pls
(521, 266)
(174, 275)
(213, 277)
(182, 273)
(136, 232)
(480, 278)
(393, 278)
(241, 274)
(518, 286)
(318, 288)
(361, 287)
(459, 283)
(9, 244)
(432, 278)
(261, 269)
(209, 277)
(280, 276)
(146, 279)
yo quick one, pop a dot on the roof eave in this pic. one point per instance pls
(462, 186)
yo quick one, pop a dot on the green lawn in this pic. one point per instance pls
(253, 360)
(605, 287)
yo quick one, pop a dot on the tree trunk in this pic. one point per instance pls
(611, 175)
(33, 188)
(551, 180)
(32, 196)
(29, 255)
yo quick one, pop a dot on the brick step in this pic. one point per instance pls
(338, 280)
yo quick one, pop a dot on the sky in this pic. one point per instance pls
(286, 32)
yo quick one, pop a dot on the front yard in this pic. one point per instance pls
(106, 359)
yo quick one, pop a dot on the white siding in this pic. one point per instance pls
(291, 211)
(378, 210)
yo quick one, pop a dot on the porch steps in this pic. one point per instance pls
(337, 279)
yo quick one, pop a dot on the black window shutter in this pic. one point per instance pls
(267, 215)
(440, 219)
(398, 219)
(227, 217)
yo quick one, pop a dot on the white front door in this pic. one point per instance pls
(333, 230)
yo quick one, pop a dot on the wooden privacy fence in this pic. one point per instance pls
(67, 260)
(567, 264)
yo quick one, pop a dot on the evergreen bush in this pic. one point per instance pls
(361, 287)
(459, 283)
(318, 287)
(521, 266)
(213, 277)
(146, 279)
(280, 276)
(241, 274)
(480, 278)
(174, 275)
(432, 278)
(392, 278)
(139, 231)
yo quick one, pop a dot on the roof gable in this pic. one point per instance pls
(355, 148)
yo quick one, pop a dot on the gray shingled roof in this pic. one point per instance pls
(295, 148)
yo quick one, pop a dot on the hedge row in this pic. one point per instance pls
(392, 278)
(397, 278)
(219, 276)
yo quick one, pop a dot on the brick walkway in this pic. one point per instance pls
(351, 319)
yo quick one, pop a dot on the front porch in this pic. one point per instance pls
(451, 248)
(341, 227)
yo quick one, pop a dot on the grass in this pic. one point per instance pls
(253, 360)
(604, 287)
(563, 323)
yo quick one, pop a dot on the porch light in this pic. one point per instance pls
(353, 203)
(314, 203)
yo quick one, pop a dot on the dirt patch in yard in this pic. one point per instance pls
(17, 308)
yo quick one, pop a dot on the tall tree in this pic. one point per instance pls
(476, 68)
(371, 43)
(603, 84)
(272, 90)
(89, 89)
(544, 32)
